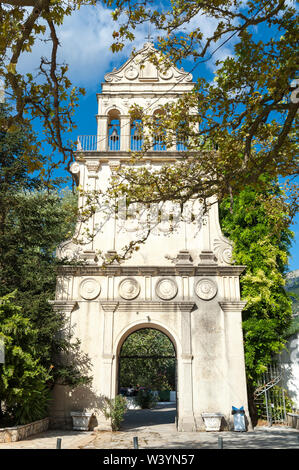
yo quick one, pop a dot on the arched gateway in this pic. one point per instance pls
(180, 282)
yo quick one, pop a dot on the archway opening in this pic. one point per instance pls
(147, 364)
(114, 130)
(136, 135)
(159, 134)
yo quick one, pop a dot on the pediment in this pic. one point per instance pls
(139, 68)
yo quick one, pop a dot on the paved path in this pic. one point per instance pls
(160, 433)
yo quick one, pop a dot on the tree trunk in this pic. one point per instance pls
(252, 406)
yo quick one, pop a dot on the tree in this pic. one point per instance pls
(48, 96)
(35, 218)
(248, 115)
(261, 243)
(23, 379)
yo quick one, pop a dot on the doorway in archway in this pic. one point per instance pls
(147, 365)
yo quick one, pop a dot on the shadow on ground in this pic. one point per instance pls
(161, 415)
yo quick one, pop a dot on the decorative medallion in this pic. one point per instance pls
(166, 289)
(75, 168)
(129, 288)
(206, 289)
(89, 289)
(131, 73)
(166, 75)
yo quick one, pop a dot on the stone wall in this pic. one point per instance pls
(19, 433)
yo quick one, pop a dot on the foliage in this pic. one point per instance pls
(114, 409)
(47, 95)
(146, 399)
(277, 413)
(236, 128)
(294, 327)
(250, 110)
(23, 379)
(35, 218)
(261, 243)
(140, 364)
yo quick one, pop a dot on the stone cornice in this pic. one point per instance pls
(118, 270)
(66, 306)
(232, 305)
(106, 156)
(150, 306)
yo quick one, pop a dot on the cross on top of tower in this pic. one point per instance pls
(149, 37)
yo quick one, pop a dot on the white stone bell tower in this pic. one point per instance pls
(180, 282)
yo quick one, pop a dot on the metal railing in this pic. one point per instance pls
(87, 142)
(112, 143)
(270, 397)
(136, 143)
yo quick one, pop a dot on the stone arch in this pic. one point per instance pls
(132, 328)
(112, 108)
(114, 129)
(156, 109)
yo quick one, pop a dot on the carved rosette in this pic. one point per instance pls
(206, 289)
(166, 75)
(75, 168)
(166, 289)
(89, 289)
(129, 288)
(131, 73)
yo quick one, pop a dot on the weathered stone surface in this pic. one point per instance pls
(18, 433)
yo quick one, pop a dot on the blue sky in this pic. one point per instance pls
(85, 40)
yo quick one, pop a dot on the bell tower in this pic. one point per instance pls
(181, 282)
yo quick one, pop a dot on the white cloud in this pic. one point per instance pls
(85, 39)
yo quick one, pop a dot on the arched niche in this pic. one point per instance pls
(114, 130)
(159, 135)
(136, 135)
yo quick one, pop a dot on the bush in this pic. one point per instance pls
(114, 409)
(146, 399)
(24, 391)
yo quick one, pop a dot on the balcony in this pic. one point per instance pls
(112, 143)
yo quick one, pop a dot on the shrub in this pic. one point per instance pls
(146, 399)
(114, 409)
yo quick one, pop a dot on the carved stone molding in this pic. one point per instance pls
(93, 168)
(89, 289)
(155, 306)
(201, 270)
(65, 306)
(223, 250)
(138, 68)
(109, 305)
(207, 257)
(206, 289)
(187, 358)
(183, 258)
(129, 288)
(232, 306)
(166, 289)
